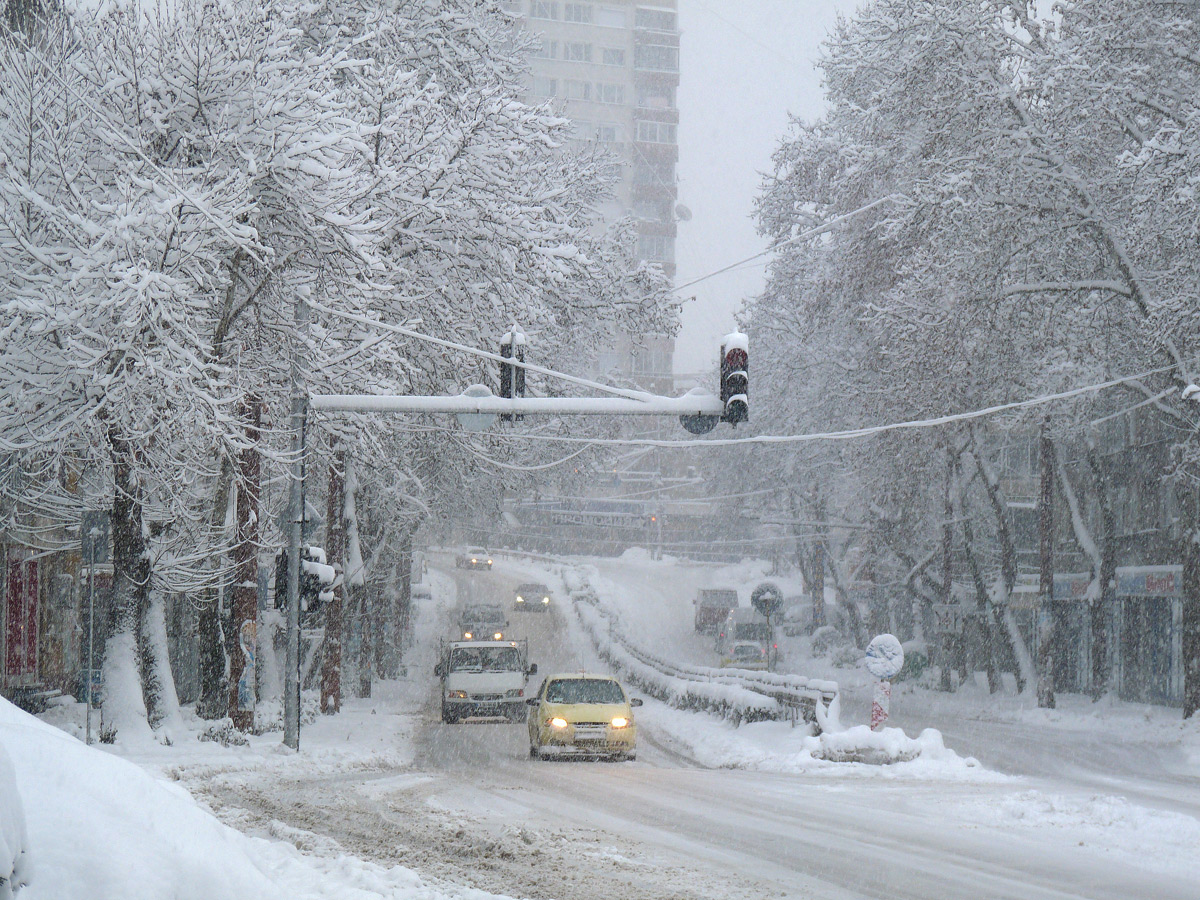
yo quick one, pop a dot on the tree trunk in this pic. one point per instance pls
(243, 687)
(945, 638)
(213, 703)
(1191, 617)
(162, 700)
(125, 705)
(984, 641)
(366, 652)
(335, 548)
(1046, 657)
(1100, 610)
(1014, 644)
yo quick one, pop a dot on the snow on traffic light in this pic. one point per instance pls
(735, 378)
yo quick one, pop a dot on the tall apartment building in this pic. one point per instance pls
(613, 67)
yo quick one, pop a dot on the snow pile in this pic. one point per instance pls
(14, 857)
(100, 827)
(1153, 838)
(779, 748)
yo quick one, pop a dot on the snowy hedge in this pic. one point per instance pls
(712, 690)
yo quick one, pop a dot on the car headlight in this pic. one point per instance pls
(620, 722)
(515, 692)
(467, 635)
(520, 599)
(473, 560)
(545, 599)
(557, 722)
(498, 635)
(489, 562)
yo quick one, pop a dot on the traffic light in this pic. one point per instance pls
(512, 378)
(316, 580)
(735, 378)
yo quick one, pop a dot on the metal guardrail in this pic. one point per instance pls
(797, 697)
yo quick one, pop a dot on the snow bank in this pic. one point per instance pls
(856, 752)
(15, 861)
(100, 827)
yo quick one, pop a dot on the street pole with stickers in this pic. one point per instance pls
(884, 660)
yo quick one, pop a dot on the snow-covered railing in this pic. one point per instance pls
(736, 694)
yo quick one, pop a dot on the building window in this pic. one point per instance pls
(658, 58)
(656, 132)
(543, 9)
(610, 93)
(656, 96)
(545, 87)
(577, 90)
(512, 6)
(582, 129)
(546, 50)
(608, 133)
(656, 247)
(577, 12)
(612, 56)
(661, 174)
(577, 51)
(654, 19)
(653, 210)
(611, 17)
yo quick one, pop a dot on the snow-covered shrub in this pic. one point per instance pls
(826, 638)
(846, 657)
(223, 732)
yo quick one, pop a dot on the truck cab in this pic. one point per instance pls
(484, 679)
(712, 606)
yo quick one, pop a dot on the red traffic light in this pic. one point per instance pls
(735, 378)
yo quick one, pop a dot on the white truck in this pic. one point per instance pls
(484, 679)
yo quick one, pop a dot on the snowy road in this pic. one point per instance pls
(473, 809)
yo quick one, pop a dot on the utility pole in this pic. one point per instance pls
(335, 548)
(1047, 639)
(291, 688)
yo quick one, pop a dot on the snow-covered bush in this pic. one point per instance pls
(14, 844)
(826, 639)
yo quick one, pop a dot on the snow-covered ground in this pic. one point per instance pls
(384, 801)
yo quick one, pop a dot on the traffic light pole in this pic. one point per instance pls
(463, 404)
(291, 688)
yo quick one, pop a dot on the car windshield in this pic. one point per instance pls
(485, 659)
(754, 631)
(483, 614)
(533, 590)
(584, 690)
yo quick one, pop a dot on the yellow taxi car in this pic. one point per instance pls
(582, 715)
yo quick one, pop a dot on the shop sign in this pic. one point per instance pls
(1150, 581)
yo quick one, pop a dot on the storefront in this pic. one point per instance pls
(1149, 662)
(20, 620)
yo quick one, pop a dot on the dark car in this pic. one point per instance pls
(532, 596)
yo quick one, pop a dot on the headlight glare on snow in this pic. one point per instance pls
(558, 722)
(620, 722)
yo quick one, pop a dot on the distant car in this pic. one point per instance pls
(582, 715)
(746, 655)
(712, 606)
(483, 622)
(532, 596)
(476, 558)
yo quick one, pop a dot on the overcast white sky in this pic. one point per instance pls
(745, 64)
